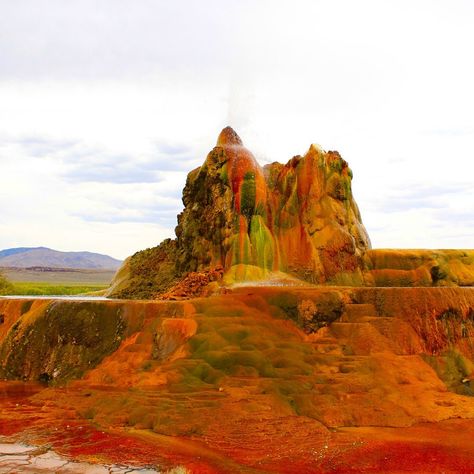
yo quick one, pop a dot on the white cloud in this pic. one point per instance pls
(105, 105)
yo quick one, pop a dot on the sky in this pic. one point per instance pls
(106, 105)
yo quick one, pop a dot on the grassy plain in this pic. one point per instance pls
(41, 281)
(49, 289)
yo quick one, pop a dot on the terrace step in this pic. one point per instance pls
(353, 312)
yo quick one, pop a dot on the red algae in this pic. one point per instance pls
(290, 446)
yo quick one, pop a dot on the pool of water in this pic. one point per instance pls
(19, 457)
(13, 390)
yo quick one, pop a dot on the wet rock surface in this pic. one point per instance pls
(261, 379)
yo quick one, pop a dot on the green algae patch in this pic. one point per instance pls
(218, 307)
(310, 313)
(249, 346)
(248, 195)
(454, 370)
(285, 305)
(62, 341)
(241, 249)
(347, 279)
(263, 245)
(242, 273)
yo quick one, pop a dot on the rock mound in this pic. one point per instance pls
(279, 222)
(299, 218)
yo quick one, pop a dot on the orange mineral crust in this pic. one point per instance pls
(299, 219)
(260, 379)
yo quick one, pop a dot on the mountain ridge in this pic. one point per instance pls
(25, 257)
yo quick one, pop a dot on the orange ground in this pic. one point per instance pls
(290, 446)
(231, 384)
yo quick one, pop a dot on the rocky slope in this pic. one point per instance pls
(26, 257)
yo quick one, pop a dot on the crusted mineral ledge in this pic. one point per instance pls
(261, 379)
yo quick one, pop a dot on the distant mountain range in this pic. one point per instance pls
(26, 257)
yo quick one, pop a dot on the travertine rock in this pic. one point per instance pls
(299, 218)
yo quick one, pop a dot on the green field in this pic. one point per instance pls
(49, 282)
(52, 289)
(59, 276)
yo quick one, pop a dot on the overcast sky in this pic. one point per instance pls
(106, 105)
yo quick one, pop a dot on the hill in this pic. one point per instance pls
(26, 257)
